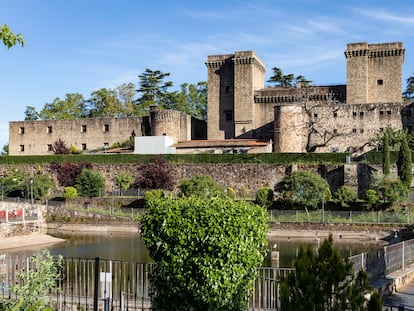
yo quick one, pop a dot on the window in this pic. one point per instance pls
(354, 130)
(21, 148)
(49, 129)
(361, 131)
(381, 129)
(83, 128)
(354, 114)
(380, 82)
(49, 147)
(335, 114)
(21, 130)
(389, 112)
(361, 114)
(228, 115)
(315, 115)
(106, 146)
(106, 127)
(83, 146)
(381, 113)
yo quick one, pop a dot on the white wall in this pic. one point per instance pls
(154, 145)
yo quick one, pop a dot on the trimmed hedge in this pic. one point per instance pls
(276, 158)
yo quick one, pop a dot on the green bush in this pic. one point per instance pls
(344, 195)
(201, 186)
(90, 183)
(207, 253)
(264, 197)
(70, 193)
(152, 196)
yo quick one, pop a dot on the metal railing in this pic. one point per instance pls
(92, 284)
(19, 212)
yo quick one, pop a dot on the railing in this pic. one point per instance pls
(399, 255)
(119, 285)
(19, 212)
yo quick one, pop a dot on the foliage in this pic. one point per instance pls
(73, 106)
(231, 193)
(404, 164)
(388, 190)
(42, 184)
(70, 193)
(303, 188)
(409, 91)
(386, 162)
(375, 303)
(206, 251)
(264, 197)
(201, 186)
(39, 283)
(9, 38)
(192, 100)
(123, 180)
(59, 147)
(30, 114)
(372, 197)
(156, 174)
(5, 150)
(344, 195)
(90, 183)
(289, 80)
(323, 281)
(153, 91)
(11, 181)
(67, 172)
(152, 197)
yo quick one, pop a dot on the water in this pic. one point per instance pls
(129, 247)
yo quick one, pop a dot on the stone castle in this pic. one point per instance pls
(336, 118)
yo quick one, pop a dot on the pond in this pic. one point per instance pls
(129, 247)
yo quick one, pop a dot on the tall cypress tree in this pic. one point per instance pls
(404, 163)
(386, 162)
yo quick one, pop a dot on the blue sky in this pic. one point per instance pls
(80, 46)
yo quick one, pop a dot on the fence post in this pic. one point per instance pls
(96, 283)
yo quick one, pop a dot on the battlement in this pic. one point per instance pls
(374, 50)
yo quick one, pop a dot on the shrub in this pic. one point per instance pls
(207, 253)
(156, 174)
(152, 196)
(264, 197)
(372, 198)
(59, 147)
(67, 172)
(201, 186)
(344, 195)
(304, 189)
(70, 193)
(123, 180)
(90, 183)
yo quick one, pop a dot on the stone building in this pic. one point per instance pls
(335, 118)
(94, 134)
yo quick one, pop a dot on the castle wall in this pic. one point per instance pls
(37, 137)
(289, 128)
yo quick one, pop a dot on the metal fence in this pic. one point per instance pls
(93, 284)
(399, 255)
(19, 212)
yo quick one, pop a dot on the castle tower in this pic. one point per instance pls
(165, 123)
(289, 127)
(374, 72)
(232, 80)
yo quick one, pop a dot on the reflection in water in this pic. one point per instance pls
(129, 247)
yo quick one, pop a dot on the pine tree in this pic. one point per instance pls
(386, 162)
(404, 163)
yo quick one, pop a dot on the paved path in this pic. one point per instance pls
(404, 297)
(30, 240)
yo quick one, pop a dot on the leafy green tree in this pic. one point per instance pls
(9, 38)
(201, 186)
(393, 191)
(11, 182)
(42, 184)
(323, 281)
(39, 283)
(104, 103)
(153, 91)
(404, 163)
(90, 183)
(375, 303)
(304, 189)
(386, 161)
(5, 150)
(289, 80)
(207, 254)
(264, 197)
(70, 193)
(125, 94)
(73, 106)
(192, 100)
(372, 198)
(123, 180)
(344, 195)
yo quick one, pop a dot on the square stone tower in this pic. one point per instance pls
(374, 72)
(232, 80)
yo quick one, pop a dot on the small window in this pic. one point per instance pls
(49, 129)
(83, 128)
(315, 115)
(21, 130)
(361, 131)
(106, 127)
(381, 129)
(228, 115)
(380, 82)
(381, 113)
(354, 130)
(335, 114)
(389, 112)
(106, 145)
(49, 147)
(21, 148)
(354, 114)
(361, 114)
(83, 146)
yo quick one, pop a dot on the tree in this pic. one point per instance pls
(5, 150)
(67, 173)
(344, 195)
(404, 164)
(31, 114)
(153, 90)
(9, 38)
(409, 91)
(59, 147)
(323, 281)
(70, 193)
(207, 253)
(289, 80)
(123, 180)
(201, 186)
(192, 100)
(156, 174)
(304, 189)
(41, 185)
(90, 183)
(264, 197)
(386, 162)
(103, 103)
(73, 106)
